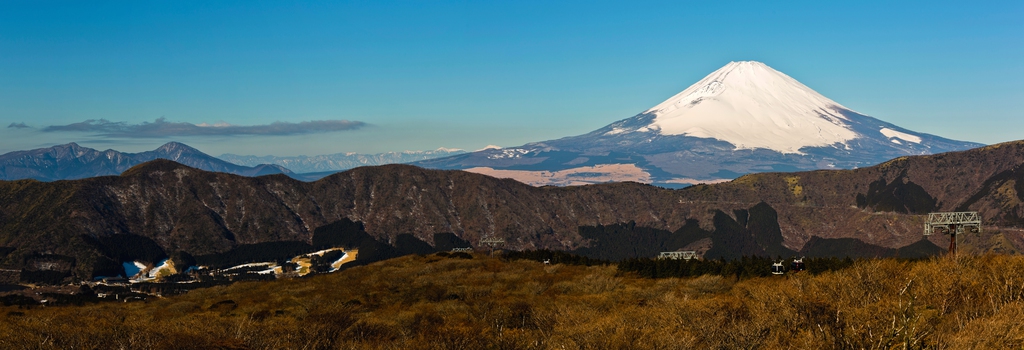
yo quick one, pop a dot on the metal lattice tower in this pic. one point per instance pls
(678, 255)
(492, 242)
(952, 224)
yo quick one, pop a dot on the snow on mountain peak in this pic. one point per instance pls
(488, 147)
(751, 105)
(448, 150)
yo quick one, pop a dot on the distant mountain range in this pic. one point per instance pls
(61, 226)
(743, 118)
(71, 161)
(340, 161)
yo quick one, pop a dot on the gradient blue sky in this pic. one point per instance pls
(431, 74)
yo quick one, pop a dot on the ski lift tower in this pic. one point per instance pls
(952, 224)
(492, 242)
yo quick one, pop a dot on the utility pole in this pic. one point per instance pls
(952, 224)
(492, 242)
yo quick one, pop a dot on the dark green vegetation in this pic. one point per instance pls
(553, 257)
(849, 247)
(754, 232)
(447, 302)
(744, 267)
(79, 229)
(446, 241)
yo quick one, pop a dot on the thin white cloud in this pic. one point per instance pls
(162, 128)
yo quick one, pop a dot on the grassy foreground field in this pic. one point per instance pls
(435, 302)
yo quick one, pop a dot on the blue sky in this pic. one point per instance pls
(388, 76)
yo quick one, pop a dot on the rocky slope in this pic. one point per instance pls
(185, 209)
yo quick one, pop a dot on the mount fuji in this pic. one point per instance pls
(742, 118)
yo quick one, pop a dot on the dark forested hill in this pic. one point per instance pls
(50, 225)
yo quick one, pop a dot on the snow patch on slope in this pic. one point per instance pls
(893, 134)
(616, 131)
(752, 106)
(509, 153)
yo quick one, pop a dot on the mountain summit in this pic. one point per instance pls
(742, 118)
(751, 105)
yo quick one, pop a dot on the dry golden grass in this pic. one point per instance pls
(485, 303)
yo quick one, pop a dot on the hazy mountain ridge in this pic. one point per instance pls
(339, 161)
(186, 209)
(71, 161)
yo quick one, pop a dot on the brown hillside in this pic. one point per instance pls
(183, 208)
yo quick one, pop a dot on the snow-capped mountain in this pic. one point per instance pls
(340, 161)
(751, 105)
(742, 118)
